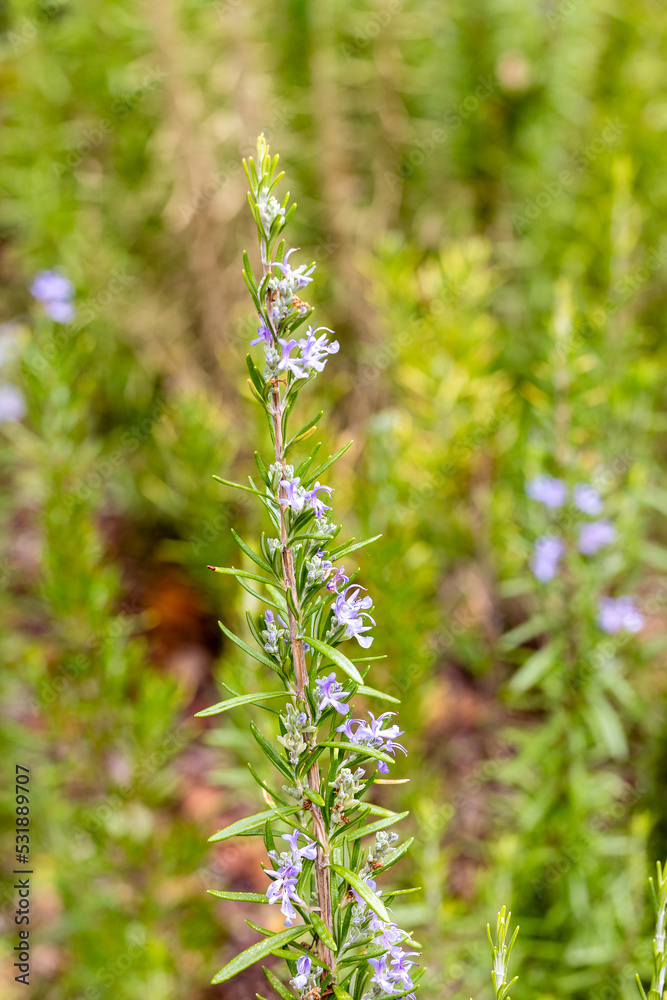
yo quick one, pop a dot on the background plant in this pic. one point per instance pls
(443, 253)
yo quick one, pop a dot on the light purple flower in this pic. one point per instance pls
(548, 551)
(309, 851)
(296, 495)
(12, 404)
(297, 277)
(547, 490)
(284, 890)
(595, 535)
(55, 292)
(287, 363)
(330, 694)
(286, 875)
(383, 976)
(61, 312)
(372, 734)
(303, 967)
(619, 614)
(401, 966)
(264, 335)
(338, 577)
(587, 499)
(350, 611)
(314, 350)
(313, 499)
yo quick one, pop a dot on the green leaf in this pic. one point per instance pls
(306, 430)
(355, 748)
(322, 931)
(325, 465)
(302, 469)
(244, 699)
(344, 550)
(248, 267)
(255, 376)
(364, 891)
(403, 849)
(261, 468)
(654, 555)
(270, 752)
(314, 796)
(251, 824)
(372, 693)
(243, 897)
(262, 784)
(253, 954)
(291, 956)
(381, 811)
(536, 667)
(522, 633)
(336, 657)
(279, 987)
(232, 571)
(605, 721)
(340, 993)
(374, 827)
(248, 489)
(248, 649)
(252, 555)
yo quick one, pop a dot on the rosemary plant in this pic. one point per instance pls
(659, 900)
(500, 952)
(326, 847)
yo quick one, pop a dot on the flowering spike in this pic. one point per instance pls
(310, 609)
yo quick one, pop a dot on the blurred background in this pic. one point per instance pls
(484, 189)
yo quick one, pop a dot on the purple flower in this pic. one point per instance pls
(284, 889)
(401, 966)
(313, 499)
(548, 551)
(338, 577)
(314, 350)
(383, 976)
(350, 611)
(547, 490)
(286, 875)
(297, 277)
(309, 851)
(587, 499)
(12, 404)
(55, 292)
(303, 967)
(287, 363)
(619, 614)
(296, 495)
(264, 335)
(372, 734)
(594, 535)
(330, 694)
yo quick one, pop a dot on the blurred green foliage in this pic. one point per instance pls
(483, 188)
